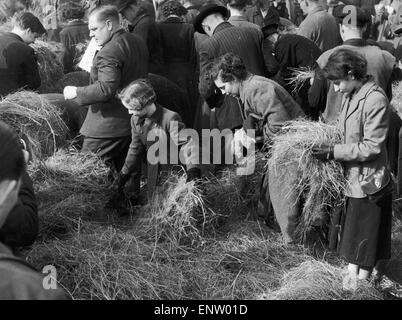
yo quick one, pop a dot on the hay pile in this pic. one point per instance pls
(98, 257)
(320, 185)
(318, 280)
(299, 78)
(35, 119)
(51, 68)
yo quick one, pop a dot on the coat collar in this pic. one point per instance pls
(76, 23)
(172, 20)
(243, 85)
(141, 14)
(15, 36)
(357, 42)
(117, 33)
(222, 26)
(237, 18)
(315, 10)
(358, 97)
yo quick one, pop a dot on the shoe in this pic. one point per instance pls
(385, 284)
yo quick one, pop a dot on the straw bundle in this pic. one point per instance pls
(319, 184)
(35, 119)
(299, 78)
(51, 68)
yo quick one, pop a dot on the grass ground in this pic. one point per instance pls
(192, 254)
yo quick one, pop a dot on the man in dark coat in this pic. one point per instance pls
(143, 25)
(18, 63)
(75, 32)
(257, 13)
(291, 51)
(18, 279)
(123, 58)
(224, 38)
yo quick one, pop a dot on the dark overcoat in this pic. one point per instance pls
(120, 61)
(180, 60)
(18, 65)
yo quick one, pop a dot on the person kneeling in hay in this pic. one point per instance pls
(150, 121)
(365, 224)
(266, 107)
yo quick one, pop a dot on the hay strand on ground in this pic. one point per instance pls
(33, 117)
(321, 184)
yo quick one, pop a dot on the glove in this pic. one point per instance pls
(323, 152)
(119, 182)
(193, 174)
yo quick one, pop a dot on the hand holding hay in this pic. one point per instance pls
(321, 184)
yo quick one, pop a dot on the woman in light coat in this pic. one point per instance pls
(365, 224)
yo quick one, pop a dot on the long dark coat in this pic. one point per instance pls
(74, 33)
(180, 60)
(18, 65)
(246, 43)
(113, 69)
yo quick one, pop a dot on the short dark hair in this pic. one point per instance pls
(107, 12)
(229, 66)
(12, 162)
(344, 62)
(237, 4)
(26, 20)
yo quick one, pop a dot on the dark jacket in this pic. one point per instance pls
(21, 226)
(294, 51)
(162, 119)
(18, 65)
(254, 15)
(245, 42)
(180, 60)
(120, 61)
(20, 281)
(145, 27)
(74, 33)
(170, 95)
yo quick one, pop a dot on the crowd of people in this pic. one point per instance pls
(227, 66)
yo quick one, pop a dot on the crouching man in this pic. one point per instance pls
(139, 98)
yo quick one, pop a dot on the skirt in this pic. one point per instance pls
(365, 231)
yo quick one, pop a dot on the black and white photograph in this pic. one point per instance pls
(201, 158)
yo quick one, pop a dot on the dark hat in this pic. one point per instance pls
(138, 94)
(207, 10)
(123, 4)
(237, 3)
(271, 23)
(362, 16)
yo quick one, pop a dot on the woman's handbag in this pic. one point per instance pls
(377, 183)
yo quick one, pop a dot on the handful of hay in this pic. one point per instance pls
(35, 119)
(299, 78)
(51, 68)
(319, 184)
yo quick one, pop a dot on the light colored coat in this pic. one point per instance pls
(364, 119)
(267, 101)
